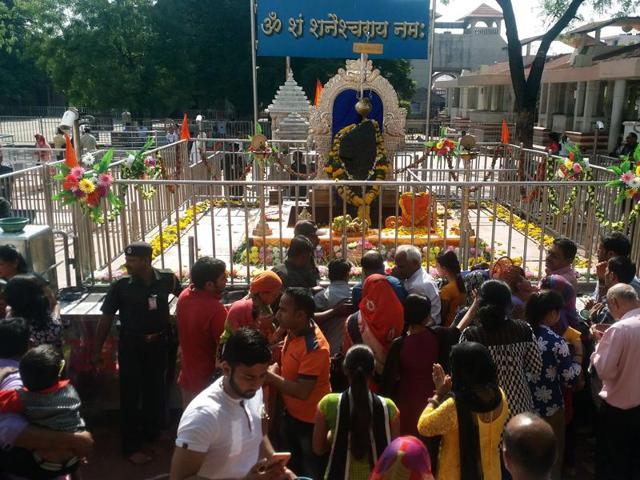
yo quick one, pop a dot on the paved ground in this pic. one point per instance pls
(107, 463)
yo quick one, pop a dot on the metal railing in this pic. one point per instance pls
(111, 131)
(221, 228)
(215, 176)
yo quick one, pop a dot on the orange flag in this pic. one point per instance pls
(319, 89)
(184, 130)
(70, 159)
(505, 132)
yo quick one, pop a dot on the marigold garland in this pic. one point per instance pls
(168, 236)
(336, 168)
(573, 168)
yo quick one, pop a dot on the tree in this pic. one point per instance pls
(23, 24)
(151, 57)
(101, 58)
(527, 88)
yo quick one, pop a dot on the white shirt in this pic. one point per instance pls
(421, 283)
(228, 430)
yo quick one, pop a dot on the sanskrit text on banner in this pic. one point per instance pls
(329, 28)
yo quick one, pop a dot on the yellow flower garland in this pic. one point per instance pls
(169, 237)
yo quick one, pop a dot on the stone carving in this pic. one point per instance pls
(394, 117)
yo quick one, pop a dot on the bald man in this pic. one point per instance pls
(529, 448)
(616, 359)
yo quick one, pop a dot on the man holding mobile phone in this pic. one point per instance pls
(221, 435)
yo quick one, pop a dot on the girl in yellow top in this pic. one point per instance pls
(452, 295)
(471, 420)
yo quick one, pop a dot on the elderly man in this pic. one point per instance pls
(529, 447)
(416, 279)
(616, 361)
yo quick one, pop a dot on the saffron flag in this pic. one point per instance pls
(319, 89)
(70, 159)
(505, 132)
(184, 130)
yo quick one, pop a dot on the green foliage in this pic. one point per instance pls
(148, 56)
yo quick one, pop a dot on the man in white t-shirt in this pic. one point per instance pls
(220, 435)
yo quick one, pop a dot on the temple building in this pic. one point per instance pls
(465, 44)
(289, 99)
(591, 93)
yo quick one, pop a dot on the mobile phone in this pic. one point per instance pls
(280, 457)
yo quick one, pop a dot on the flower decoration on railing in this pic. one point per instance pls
(443, 147)
(260, 150)
(142, 166)
(88, 187)
(628, 181)
(574, 167)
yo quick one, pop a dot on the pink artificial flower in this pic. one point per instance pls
(77, 172)
(577, 168)
(102, 190)
(627, 177)
(105, 179)
(150, 161)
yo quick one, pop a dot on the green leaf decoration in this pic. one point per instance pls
(624, 166)
(258, 129)
(103, 166)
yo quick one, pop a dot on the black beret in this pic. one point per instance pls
(138, 249)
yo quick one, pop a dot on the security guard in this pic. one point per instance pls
(142, 298)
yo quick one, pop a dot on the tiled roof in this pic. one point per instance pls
(483, 11)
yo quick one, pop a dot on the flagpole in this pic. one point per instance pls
(432, 36)
(254, 62)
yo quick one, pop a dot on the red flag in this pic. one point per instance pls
(70, 159)
(319, 89)
(505, 132)
(184, 130)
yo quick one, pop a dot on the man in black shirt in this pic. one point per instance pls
(142, 298)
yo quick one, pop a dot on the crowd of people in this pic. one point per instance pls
(475, 374)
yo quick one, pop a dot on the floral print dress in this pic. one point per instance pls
(558, 370)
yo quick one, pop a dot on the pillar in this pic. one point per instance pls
(464, 101)
(495, 101)
(578, 108)
(484, 94)
(617, 109)
(590, 104)
(551, 105)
